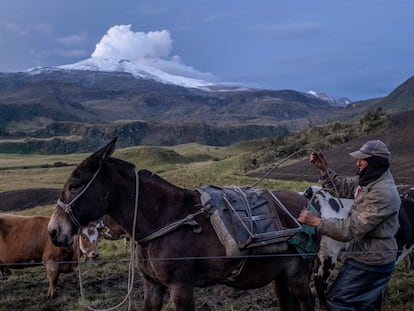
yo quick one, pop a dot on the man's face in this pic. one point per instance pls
(362, 163)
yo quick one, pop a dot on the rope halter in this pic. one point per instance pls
(67, 207)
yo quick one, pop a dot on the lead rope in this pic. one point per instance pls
(335, 190)
(131, 270)
(278, 164)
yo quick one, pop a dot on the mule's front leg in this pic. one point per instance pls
(182, 295)
(153, 295)
(292, 286)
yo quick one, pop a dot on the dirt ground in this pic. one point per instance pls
(19, 292)
(18, 200)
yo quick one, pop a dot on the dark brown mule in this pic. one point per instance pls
(105, 185)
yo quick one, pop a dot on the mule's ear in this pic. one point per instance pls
(105, 152)
(109, 149)
(99, 157)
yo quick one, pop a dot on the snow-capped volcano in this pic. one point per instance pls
(139, 71)
(135, 69)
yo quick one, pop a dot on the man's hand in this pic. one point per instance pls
(307, 217)
(317, 159)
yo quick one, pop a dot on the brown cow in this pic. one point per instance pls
(25, 242)
(89, 237)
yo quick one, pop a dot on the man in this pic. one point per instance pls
(370, 228)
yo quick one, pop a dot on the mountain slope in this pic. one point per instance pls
(71, 137)
(397, 136)
(40, 97)
(400, 99)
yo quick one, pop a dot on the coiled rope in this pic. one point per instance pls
(131, 270)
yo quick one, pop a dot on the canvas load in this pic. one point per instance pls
(249, 220)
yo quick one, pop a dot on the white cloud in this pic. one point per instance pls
(151, 49)
(121, 42)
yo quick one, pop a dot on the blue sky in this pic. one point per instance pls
(355, 49)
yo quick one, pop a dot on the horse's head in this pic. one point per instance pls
(326, 204)
(82, 199)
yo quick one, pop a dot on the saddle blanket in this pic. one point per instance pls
(249, 220)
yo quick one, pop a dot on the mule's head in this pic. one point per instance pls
(83, 198)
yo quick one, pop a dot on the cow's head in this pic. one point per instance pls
(89, 237)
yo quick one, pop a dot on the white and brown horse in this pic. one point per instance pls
(329, 249)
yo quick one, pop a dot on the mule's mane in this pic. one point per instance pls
(121, 163)
(155, 178)
(144, 173)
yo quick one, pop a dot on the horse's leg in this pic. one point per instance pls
(302, 293)
(299, 280)
(321, 280)
(153, 295)
(325, 264)
(182, 295)
(292, 287)
(281, 289)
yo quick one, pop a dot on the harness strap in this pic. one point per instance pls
(188, 220)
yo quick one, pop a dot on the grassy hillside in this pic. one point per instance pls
(336, 141)
(185, 165)
(400, 99)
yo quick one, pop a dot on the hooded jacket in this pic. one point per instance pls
(373, 220)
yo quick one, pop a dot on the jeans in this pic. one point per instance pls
(359, 287)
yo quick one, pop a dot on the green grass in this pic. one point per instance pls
(18, 171)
